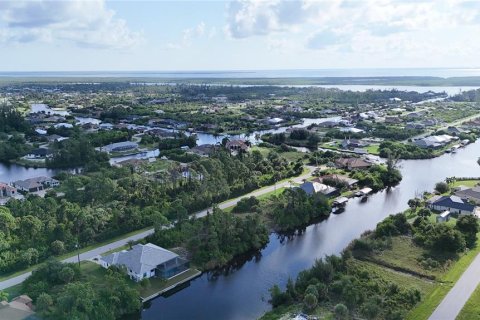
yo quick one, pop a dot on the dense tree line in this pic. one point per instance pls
(378, 177)
(216, 239)
(60, 291)
(113, 201)
(75, 152)
(12, 120)
(13, 147)
(404, 151)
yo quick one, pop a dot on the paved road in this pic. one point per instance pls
(117, 244)
(83, 256)
(451, 124)
(456, 298)
(260, 192)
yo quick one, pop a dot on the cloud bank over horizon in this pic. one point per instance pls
(239, 34)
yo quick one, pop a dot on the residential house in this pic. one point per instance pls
(312, 187)
(337, 178)
(204, 150)
(120, 146)
(352, 130)
(19, 308)
(236, 146)
(39, 153)
(55, 138)
(353, 143)
(147, 261)
(430, 122)
(434, 141)
(352, 163)
(454, 130)
(471, 194)
(36, 184)
(7, 190)
(454, 204)
(414, 126)
(393, 120)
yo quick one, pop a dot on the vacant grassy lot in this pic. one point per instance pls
(405, 255)
(443, 285)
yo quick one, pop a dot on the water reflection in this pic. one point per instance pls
(243, 293)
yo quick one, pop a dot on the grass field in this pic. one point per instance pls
(373, 149)
(466, 183)
(471, 310)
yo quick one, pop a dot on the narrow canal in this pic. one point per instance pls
(242, 292)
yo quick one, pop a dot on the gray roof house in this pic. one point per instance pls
(311, 188)
(120, 146)
(472, 194)
(146, 261)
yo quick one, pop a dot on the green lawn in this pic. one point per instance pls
(466, 183)
(95, 273)
(433, 299)
(404, 254)
(158, 284)
(373, 149)
(471, 310)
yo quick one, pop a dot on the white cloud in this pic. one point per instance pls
(190, 34)
(341, 23)
(85, 23)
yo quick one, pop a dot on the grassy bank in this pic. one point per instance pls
(443, 285)
(471, 310)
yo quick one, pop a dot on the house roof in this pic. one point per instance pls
(471, 193)
(454, 202)
(33, 182)
(353, 162)
(338, 177)
(27, 184)
(314, 187)
(41, 151)
(141, 258)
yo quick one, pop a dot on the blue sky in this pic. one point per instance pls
(39, 35)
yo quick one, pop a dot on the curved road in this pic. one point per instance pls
(88, 255)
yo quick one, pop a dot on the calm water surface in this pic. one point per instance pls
(243, 293)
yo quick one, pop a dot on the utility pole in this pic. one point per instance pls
(77, 246)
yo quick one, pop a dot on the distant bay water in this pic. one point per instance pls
(238, 74)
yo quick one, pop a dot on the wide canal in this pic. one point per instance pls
(242, 292)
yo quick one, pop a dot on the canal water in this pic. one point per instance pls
(242, 292)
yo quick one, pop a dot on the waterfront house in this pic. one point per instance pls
(454, 204)
(337, 178)
(352, 163)
(472, 194)
(434, 141)
(235, 146)
(39, 153)
(36, 184)
(120, 146)
(7, 191)
(147, 261)
(312, 187)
